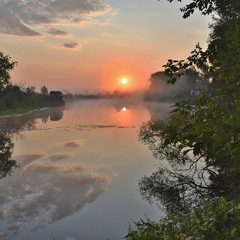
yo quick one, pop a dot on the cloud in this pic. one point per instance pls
(56, 32)
(16, 229)
(10, 24)
(59, 156)
(3, 236)
(73, 144)
(71, 45)
(22, 18)
(42, 193)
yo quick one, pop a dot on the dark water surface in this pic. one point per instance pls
(78, 171)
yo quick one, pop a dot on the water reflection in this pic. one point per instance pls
(158, 111)
(43, 192)
(67, 164)
(124, 109)
(7, 164)
(28, 120)
(10, 126)
(182, 181)
(121, 107)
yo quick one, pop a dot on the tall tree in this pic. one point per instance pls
(6, 65)
(44, 90)
(209, 126)
(206, 129)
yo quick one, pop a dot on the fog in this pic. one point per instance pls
(185, 87)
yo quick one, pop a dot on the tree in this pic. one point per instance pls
(186, 87)
(207, 126)
(214, 220)
(206, 7)
(6, 65)
(206, 129)
(184, 181)
(44, 90)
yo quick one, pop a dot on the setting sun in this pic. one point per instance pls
(124, 109)
(124, 80)
(116, 69)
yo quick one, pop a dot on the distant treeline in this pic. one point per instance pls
(15, 99)
(87, 95)
(188, 86)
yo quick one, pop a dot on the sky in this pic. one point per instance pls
(90, 45)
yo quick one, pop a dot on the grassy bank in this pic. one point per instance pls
(19, 110)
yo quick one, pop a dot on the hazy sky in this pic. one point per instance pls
(80, 45)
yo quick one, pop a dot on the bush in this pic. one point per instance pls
(217, 220)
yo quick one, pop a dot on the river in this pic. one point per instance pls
(78, 171)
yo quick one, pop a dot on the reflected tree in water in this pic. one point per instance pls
(7, 164)
(28, 120)
(201, 140)
(13, 125)
(182, 180)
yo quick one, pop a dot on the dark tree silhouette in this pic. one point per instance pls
(7, 164)
(182, 181)
(6, 65)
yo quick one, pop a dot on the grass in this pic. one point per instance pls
(14, 111)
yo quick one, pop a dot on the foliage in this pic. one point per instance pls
(209, 126)
(219, 219)
(44, 90)
(6, 147)
(184, 180)
(206, 7)
(13, 98)
(6, 65)
(205, 130)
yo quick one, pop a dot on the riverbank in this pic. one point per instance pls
(15, 100)
(17, 111)
(20, 111)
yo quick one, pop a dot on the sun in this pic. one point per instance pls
(124, 80)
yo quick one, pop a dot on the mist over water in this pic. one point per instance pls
(78, 170)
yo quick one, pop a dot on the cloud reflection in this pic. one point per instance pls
(15, 229)
(72, 144)
(25, 159)
(41, 193)
(60, 156)
(4, 236)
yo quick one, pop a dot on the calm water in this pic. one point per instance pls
(78, 172)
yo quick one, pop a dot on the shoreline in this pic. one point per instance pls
(14, 114)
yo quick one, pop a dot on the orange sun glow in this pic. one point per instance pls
(124, 80)
(123, 73)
